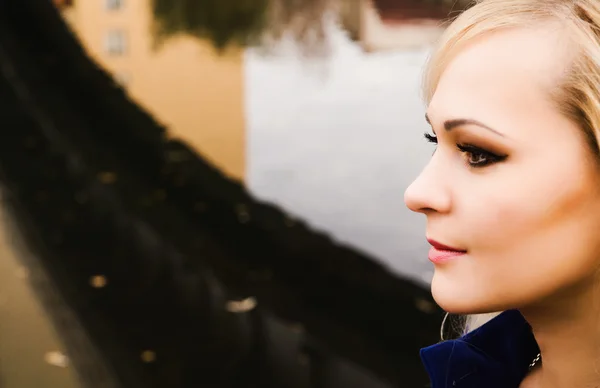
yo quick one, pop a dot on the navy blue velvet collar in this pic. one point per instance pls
(496, 355)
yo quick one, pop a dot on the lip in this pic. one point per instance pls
(440, 253)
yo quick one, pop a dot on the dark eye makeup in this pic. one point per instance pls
(477, 157)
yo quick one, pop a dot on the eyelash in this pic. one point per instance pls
(489, 157)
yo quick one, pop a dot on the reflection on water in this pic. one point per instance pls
(189, 87)
(223, 23)
(200, 93)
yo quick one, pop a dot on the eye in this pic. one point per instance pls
(430, 138)
(477, 157)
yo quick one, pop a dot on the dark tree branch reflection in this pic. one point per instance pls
(262, 23)
(244, 22)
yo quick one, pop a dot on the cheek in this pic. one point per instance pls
(546, 222)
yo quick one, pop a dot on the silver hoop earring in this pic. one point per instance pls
(443, 326)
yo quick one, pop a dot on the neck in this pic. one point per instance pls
(567, 329)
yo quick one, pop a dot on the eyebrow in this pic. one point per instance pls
(451, 124)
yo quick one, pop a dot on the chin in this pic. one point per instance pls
(462, 298)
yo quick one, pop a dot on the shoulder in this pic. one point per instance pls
(496, 354)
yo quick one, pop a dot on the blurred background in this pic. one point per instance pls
(209, 193)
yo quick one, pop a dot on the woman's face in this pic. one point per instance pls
(520, 192)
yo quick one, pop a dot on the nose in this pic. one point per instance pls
(430, 192)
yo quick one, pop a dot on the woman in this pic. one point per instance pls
(512, 194)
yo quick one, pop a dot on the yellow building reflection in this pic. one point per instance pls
(186, 85)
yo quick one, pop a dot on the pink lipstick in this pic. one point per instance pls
(440, 253)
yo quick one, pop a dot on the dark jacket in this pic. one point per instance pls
(496, 355)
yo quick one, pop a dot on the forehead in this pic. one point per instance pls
(503, 72)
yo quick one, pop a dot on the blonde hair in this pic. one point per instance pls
(577, 95)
